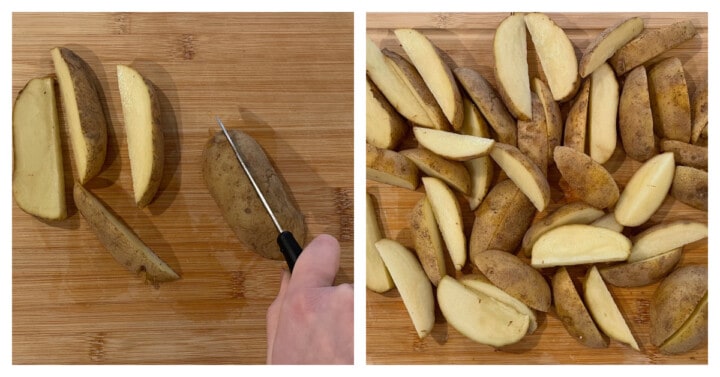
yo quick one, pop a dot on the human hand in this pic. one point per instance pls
(311, 321)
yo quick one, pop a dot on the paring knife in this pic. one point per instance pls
(288, 245)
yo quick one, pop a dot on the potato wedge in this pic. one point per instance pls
(414, 287)
(571, 213)
(572, 312)
(649, 44)
(435, 72)
(533, 135)
(480, 283)
(478, 316)
(474, 122)
(481, 168)
(122, 243)
(635, 118)
(686, 154)
(427, 240)
(691, 334)
(511, 68)
(588, 179)
(390, 167)
(646, 190)
(608, 222)
(453, 146)
(526, 174)
(84, 114)
(642, 272)
(38, 183)
(576, 122)
(556, 53)
(448, 215)
(553, 116)
(699, 103)
(605, 311)
(384, 126)
(574, 244)
(453, 173)
(690, 186)
(608, 42)
(664, 237)
(602, 113)
(377, 277)
(670, 100)
(143, 128)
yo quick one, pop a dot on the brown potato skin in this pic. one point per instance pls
(239, 203)
(670, 100)
(675, 299)
(553, 116)
(690, 186)
(158, 141)
(430, 255)
(454, 173)
(691, 334)
(635, 118)
(572, 312)
(576, 122)
(643, 272)
(392, 162)
(687, 154)
(533, 135)
(699, 103)
(588, 179)
(398, 124)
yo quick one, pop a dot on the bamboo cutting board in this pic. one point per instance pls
(466, 40)
(286, 80)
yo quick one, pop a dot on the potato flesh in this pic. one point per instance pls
(602, 113)
(526, 175)
(511, 68)
(376, 274)
(390, 167)
(449, 219)
(384, 127)
(609, 41)
(665, 237)
(451, 172)
(604, 310)
(572, 213)
(579, 244)
(646, 190)
(451, 145)
(484, 286)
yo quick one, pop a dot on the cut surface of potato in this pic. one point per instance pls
(451, 172)
(642, 272)
(384, 126)
(690, 186)
(574, 244)
(572, 311)
(608, 42)
(390, 167)
(571, 213)
(605, 311)
(602, 113)
(576, 123)
(38, 182)
(527, 176)
(511, 67)
(451, 145)
(646, 190)
(481, 168)
(481, 284)
(553, 116)
(478, 316)
(448, 215)
(146, 144)
(428, 240)
(377, 277)
(608, 221)
(670, 100)
(635, 118)
(414, 287)
(588, 179)
(664, 237)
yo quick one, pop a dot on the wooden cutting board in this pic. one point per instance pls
(466, 39)
(286, 79)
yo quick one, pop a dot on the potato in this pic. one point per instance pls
(533, 135)
(635, 117)
(489, 103)
(427, 240)
(576, 122)
(479, 283)
(377, 277)
(588, 179)
(38, 183)
(690, 186)
(572, 312)
(453, 146)
(602, 114)
(574, 244)
(675, 301)
(448, 215)
(608, 222)
(515, 277)
(686, 154)
(608, 42)
(481, 168)
(124, 245)
(390, 167)
(553, 116)
(239, 203)
(384, 126)
(642, 272)
(649, 44)
(604, 309)
(524, 173)
(646, 190)
(84, 115)
(670, 100)
(693, 332)
(511, 68)
(666, 236)
(699, 103)
(143, 128)
(571, 213)
(453, 173)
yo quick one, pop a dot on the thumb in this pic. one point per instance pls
(273, 313)
(318, 264)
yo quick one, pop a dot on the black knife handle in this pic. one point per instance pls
(289, 247)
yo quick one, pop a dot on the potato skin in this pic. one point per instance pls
(690, 186)
(428, 240)
(577, 119)
(158, 141)
(643, 272)
(533, 135)
(687, 154)
(635, 117)
(675, 299)
(670, 100)
(588, 179)
(572, 312)
(454, 173)
(239, 203)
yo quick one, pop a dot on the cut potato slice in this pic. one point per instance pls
(390, 167)
(428, 240)
(699, 102)
(527, 176)
(453, 173)
(478, 316)
(602, 113)
(588, 179)
(533, 136)
(453, 146)
(605, 311)
(608, 222)
(384, 126)
(480, 283)
(642, 272)
(553, 116)
(664, 237)
(38, 182)
(448, 215)
(377, 277)
(414, 287)
(608, 42)
(690, 186)
(435, 72)
(574, 244)
(576, 123)
(686, 154)
(572, 311)
(474, 123)
(571, 213)
(635, 118)
(511, 67)
(646, 190)
(670, 100)
(481, 168)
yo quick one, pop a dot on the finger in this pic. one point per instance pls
(273, 314)
(318, 264)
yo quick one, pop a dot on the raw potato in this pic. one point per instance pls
(377, 277)
(489, 103)
(571, 213)
(480, 283)
(646, 190)
(411, 77)
(670, 100)
(608, 42)
(608, 222)
(127, 249)
(602, 113)
(481, 168)
(588, 179)
(556, 53)
(448, 215)
(38, 182)
(453, 146)
(511, 68)
(478, 316)
(664, 237)
(414, 287)
(435, 72)
(427, 240)
(239, 203)
(572, 312)
(473, 122)
(577, 119)
(686, 154)
(693, 332)
(390, 167)
(84, 115)
(515, 277)
(533, 136)
(635, 118)
(453, 173)
(649, 44)
(553, 116)
(605, 311)
(699, 102)
(680, 297)
(384, 127)
(574, 244)
(527, 175)
(690, 186)
(145, 141)
(642, 272)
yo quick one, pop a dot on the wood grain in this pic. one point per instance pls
(286, 79)
(466, 40)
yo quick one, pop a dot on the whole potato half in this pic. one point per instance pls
(690, 186)
(675, 300)
(642, 272)
(572, 312)
(239, 203)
